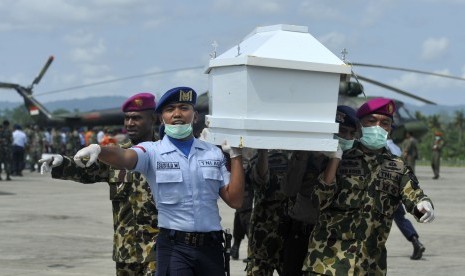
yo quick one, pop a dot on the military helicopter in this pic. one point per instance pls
(43, 117)
(350, 92)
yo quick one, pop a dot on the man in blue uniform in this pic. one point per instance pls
(186, 176)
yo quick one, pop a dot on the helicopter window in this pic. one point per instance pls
(403, 113)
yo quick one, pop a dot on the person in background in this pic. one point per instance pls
(6, 140)
(36, 145)
(19, 149)
(134, 213)
(438, 144)
(358, 193)
(410, 150)
(186, 176)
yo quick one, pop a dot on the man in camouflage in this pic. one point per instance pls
(135, 216)
(35, 146)
(6, 141)
(358, 195)
(304, 169)
(269, 220)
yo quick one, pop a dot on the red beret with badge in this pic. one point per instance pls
(383, 106)
(139, 102)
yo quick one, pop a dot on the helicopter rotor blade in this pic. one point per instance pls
(406, 70)
(42, 72)
(397, 90)
(7, 85)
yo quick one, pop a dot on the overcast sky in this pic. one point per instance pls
(101, 40)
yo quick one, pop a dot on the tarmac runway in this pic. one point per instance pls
(54, 227)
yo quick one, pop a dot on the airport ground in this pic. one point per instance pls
(53, 227)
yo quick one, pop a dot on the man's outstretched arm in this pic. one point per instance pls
(113, 156)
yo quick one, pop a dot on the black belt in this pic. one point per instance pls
(193, 238)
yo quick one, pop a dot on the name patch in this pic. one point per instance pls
(168, 165)
(209, 163)
(351, 167)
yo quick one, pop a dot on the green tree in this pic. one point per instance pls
(434, 122)
(459, 122)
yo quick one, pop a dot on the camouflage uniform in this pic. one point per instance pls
(36, 144)
(6, 141)
(410, 152)
(135, 216)
(357, 212)
(268, 224)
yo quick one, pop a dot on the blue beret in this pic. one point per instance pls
(381, 106)
(345, 115)
(139, 102)
(177, 95)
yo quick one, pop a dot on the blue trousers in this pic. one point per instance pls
(175, 258)
(405, 226)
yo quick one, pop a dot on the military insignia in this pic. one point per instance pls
(390, 108)
(340, 117)
(138, 102)
(185, 96)
(392, 165)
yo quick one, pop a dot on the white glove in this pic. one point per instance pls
(428, 211)
(49, 162)
(91, 151)
(204, 134)
(233, 152)
(334, 154)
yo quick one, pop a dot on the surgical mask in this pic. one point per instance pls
(437, 137)
(344, 143)
(178, 131)
(374, 137)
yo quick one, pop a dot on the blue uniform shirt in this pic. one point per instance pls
(185, 189)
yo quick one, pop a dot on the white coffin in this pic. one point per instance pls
(277, 89)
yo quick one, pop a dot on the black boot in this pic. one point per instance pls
(235, 251)
(418, 249)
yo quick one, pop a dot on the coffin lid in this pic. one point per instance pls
(281, 46)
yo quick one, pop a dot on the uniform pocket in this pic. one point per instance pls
(213, 179)
(171, 188)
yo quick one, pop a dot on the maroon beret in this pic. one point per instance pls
(381, 106)
(139, 102)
